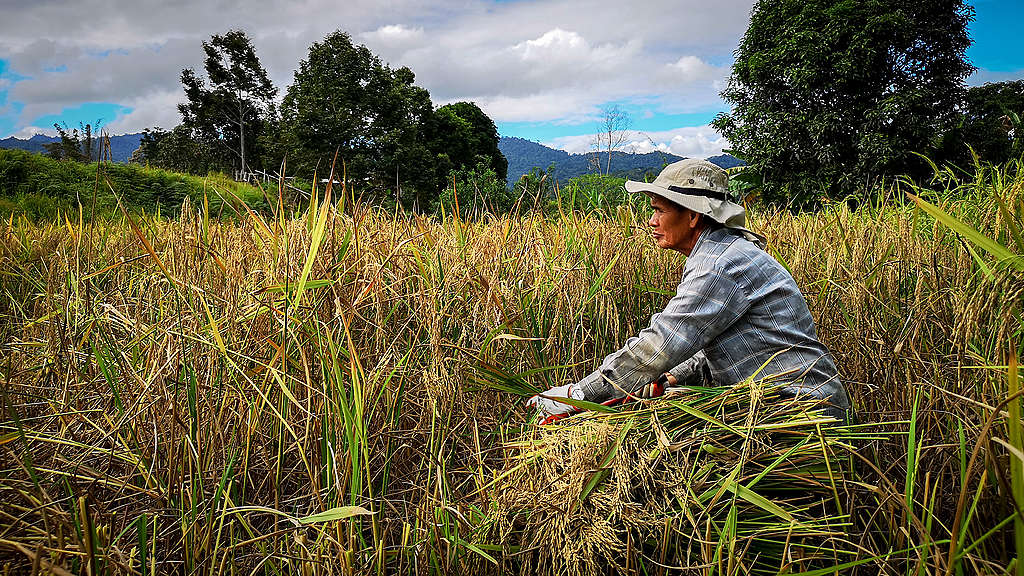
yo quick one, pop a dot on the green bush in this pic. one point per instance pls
(480, 190)
(39, 207)
(8, 207)
(37, 186)
(596, 193)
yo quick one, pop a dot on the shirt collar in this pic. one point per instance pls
(704, 237)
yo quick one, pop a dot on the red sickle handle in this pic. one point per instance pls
(555, 418)
(657, 389)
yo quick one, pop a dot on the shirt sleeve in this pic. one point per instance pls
(706, 303)
(687, 369)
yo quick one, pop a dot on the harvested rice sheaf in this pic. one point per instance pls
(725, 480)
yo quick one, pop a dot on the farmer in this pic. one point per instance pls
(736, 314)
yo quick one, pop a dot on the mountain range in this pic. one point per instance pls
(523, 155)
(121, 147)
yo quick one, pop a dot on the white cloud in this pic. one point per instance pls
(692, 69)
(66, 76)
(691, 142)
(397, 31)
(567, 53)
(30, 131)
(394, 36)
(982, 76)
(159, 109)
(105, 24)
(564, 107)
(553, 61)
(552, 42)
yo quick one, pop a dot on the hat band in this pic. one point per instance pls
(699, 192)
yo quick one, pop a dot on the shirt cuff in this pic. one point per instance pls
(687, 369)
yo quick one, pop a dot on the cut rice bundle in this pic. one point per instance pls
(727, 480)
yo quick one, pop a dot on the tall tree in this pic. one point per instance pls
(238, 102)
(344, 99)
(74, 144)
(612, 133)
(464, 137)
(991, 123)
(828, 96)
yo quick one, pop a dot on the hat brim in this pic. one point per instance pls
(699, 204)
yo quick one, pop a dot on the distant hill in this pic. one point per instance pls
(121, 147)
(726, 161)
(524, 155)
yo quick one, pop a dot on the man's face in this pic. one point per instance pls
(674, 227)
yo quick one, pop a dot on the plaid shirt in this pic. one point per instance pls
(739, 308)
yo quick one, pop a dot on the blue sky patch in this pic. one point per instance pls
(6, 117)
(640, 120)
(998, 44)
(94, 113)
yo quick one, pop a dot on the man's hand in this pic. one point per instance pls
(656, 388)
(550, 406)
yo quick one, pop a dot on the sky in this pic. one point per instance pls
(542, 70)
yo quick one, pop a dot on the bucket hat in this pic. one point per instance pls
(702, 187)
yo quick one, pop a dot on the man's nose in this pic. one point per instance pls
(653, 222)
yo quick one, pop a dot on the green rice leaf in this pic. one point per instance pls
(581, 404)
(476, 549)
(759, 501)
(315, 241)
(339, 513)
(987, 244)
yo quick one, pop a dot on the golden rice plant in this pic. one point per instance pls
(705, 480)
(300, 393)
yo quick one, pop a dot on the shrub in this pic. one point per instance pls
(479, 189)
(39, 185)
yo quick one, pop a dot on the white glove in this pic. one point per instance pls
(550, 406)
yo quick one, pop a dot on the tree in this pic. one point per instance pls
(180, 150)
(344, 99)
(831, 95)
(535, 188)
(991, 123)
(613, 133)
(463, 137)
(235, 107)
(73, 144)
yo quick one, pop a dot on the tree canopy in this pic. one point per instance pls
(181, 150)
(236, 108)
(991, 124)
(345, 100)
(74, 145)
(345, 103)
(828, 96)
(463, 137)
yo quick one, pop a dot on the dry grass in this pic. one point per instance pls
(184, 394)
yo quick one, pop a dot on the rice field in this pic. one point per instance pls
(341, 392)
